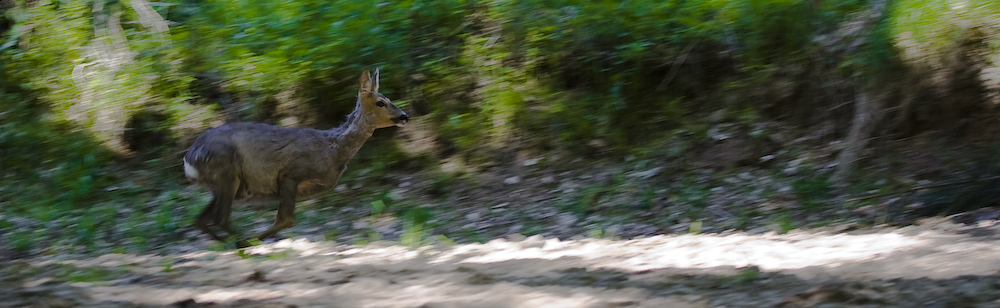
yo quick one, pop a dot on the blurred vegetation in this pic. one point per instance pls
(99, 98)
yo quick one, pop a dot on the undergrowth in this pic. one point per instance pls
(90, 144)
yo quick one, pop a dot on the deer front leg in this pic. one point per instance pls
(286, 210)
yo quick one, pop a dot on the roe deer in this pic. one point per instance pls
(256, 161)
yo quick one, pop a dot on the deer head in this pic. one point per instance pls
(375, 106)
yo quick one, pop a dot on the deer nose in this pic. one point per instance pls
(402, 119)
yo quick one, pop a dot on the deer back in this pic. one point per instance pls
(257, 154)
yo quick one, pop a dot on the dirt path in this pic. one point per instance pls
(938, 264)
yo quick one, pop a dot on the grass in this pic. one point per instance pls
(784, 222)
(131, 222)
(743, 276)
(813, 190)
(141, 221)
(152, 212)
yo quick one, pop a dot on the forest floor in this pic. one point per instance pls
(935, 263)
(534, 232)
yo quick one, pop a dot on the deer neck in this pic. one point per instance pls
(351, 135)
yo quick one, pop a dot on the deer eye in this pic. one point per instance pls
(380, 103)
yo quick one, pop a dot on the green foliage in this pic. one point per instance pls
(695, 227)
(563, 71)
(81, 80)
(813, 190)
(21, 241)
(784, 222)
(745, 275)
(928, 30)
(377, 207)
(87, 274)
(270, 256)
(63, 161)
(693, 193)
(415, 231)
(603, 233)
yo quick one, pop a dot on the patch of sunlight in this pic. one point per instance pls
(769, 252)
(384, 274)
(302, 246)
(380, 255)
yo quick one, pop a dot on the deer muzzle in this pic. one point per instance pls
(401, 120)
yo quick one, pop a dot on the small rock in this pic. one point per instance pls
(127, 281)
(566, 219)
(42, 281)
(473, 216)
(516, 237)
(613, 229)
(530, 162)
(257, 276)
(512, 180)
(360, 224)
(622, 303)
(548, 179)
(717, 116)
(718, 132)
(186, 303)
(646, 174)
(534, 241)
(481, 279)
(397, 194)
(385, 229)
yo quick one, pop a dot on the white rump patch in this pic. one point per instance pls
(190, 171)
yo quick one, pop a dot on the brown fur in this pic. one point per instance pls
(256, 161)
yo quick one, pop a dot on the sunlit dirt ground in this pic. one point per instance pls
(707, 270)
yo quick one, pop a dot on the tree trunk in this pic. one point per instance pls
(867, 112)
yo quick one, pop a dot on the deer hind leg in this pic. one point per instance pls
(286, 209)
(203, 220)
(224, 210)
(218, 211)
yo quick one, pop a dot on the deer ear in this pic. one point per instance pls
(365, 83)
(375, 81)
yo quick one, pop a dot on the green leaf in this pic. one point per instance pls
(695, 227)
(378, 206)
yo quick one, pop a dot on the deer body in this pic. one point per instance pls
(261, 153)
(256, 161)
